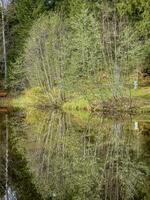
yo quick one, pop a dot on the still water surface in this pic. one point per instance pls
(59, 156)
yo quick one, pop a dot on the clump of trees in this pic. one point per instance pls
(45, 55)
(64, 44)
(19, 17)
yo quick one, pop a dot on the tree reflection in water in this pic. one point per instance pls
(93, 159)
(15, 177)
(73, 157)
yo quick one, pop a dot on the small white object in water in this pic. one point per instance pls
(136, 126)
(11, 195)
(54, 194)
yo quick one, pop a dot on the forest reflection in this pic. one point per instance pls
(75, 157)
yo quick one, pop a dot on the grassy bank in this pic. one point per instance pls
(98, 102)
(139, 100)
(33, 97)
(142, 99)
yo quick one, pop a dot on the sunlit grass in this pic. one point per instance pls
(143, 92)
(35, 97)
(5, 102)
(79, 103)
(31, 97)
(142, 96)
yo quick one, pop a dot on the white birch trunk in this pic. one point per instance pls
(4, 41)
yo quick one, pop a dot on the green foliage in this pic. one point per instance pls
(77, 46)
(44, 58)
(19, 18)
(20, 15)
(69, 51)
(138, 13)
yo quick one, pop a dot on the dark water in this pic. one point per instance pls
(54, 155)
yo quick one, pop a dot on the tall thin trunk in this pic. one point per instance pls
(6, 159)
(116, 66)
(4, 41)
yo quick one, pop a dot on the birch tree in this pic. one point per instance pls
(45, 56)
(4, 41)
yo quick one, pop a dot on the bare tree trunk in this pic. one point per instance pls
(4, 41)
(6, 159)
(116, 66)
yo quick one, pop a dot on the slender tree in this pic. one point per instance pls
(4, 40)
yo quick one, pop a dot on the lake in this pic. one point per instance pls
(51, 155)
